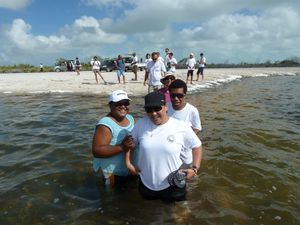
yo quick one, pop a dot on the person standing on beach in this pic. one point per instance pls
(202, 64)
(191, 62)
(120, 65)
(160, 140)
(109, 145)
(96, 68)
(154, 71)
(184, 111)
(77, 66)
(41, 67)
(147, 58)
(134, 62)
(167, 59)
(172, 63)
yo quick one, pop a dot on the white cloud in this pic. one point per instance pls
(273, 34)
(236, 31)
(83, 36)
(86, 32)
(19, 34)
(107, 3)
(14, 4)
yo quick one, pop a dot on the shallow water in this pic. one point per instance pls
(249, 175)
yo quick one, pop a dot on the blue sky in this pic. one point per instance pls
(35, 31)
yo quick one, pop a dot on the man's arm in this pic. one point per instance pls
(197, 158)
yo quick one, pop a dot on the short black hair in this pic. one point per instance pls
(178, 84)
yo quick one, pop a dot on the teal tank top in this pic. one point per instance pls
(114, 164)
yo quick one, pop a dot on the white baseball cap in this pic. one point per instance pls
(118, 95)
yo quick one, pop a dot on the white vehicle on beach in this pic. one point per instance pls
(63, 66)
(128, 66)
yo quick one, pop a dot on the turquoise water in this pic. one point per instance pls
(249, 175)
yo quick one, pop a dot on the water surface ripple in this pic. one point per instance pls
(249, 175)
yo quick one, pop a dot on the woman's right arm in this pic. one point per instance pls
(101, 143)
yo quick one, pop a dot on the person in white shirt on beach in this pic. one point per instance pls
(167, 58)
(202, 64)
(134, 62)
(172, 63)
(154, 71)
(95, 63)
(184, 111)
(191, 62)
(147, 58)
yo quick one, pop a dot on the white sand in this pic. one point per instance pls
(69, 82)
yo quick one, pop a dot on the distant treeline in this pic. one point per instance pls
(294, 62)
(27, 68)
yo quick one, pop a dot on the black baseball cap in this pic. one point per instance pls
(155, 98)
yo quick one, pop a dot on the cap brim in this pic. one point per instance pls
(153, 105)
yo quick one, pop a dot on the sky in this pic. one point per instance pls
(226, 31)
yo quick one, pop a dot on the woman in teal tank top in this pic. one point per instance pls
(108, 142)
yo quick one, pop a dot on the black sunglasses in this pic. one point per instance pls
(150, 109)
(178, 95)
(121, 103)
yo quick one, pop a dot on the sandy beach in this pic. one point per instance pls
(69, 82)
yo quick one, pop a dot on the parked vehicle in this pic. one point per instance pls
(63, 66)
(128, 66)
(108, 65)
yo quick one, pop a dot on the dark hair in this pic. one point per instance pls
(178, 84)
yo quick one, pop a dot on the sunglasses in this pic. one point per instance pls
(178, 95)
(121, 103)
(151, 109)
(169, 78)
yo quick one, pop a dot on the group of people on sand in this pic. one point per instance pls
(155, 67)
(161, 150)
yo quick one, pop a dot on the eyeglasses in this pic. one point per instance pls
(151, 109)
(121, 103)
(178, 95)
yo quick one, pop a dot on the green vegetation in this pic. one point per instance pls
(23, 68)
(85, 65)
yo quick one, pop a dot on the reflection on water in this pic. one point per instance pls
(249, 175)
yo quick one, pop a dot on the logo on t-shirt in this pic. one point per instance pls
(171, 138)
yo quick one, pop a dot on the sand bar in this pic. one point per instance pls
(69, 82)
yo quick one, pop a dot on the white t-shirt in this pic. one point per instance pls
(95, 64)
(167, 59)
(159, 149)
(147, 61)
(191, 62)
(155, 69)
(202, 61)
(134, 60)
(190, 115)
(173, 63)
(160, 59)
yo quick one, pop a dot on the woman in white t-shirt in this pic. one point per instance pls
(191, 62)
(96, 64)
(160, 140)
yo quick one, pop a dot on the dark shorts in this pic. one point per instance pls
(200, 70)
(190, 73)
(169, 194)
(134, 68)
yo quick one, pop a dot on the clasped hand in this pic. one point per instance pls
(128, 143)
